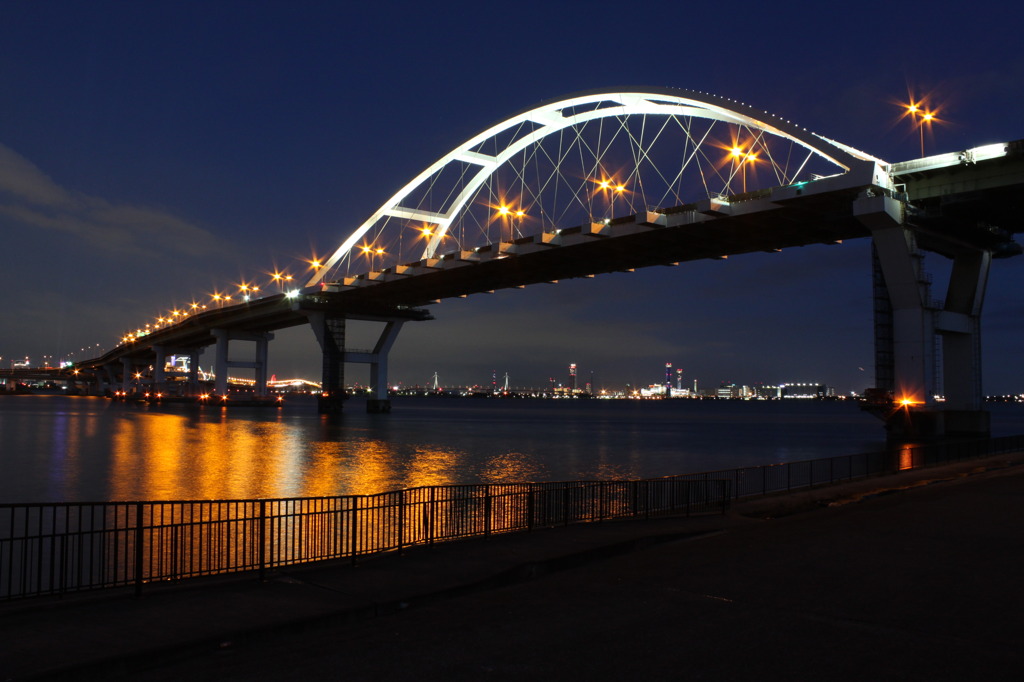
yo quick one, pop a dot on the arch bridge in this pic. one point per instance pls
(608, 181)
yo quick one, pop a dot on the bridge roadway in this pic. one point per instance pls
(966, 200)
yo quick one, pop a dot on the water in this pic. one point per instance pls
(63, 448)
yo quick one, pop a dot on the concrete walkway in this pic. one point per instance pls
(909, 577)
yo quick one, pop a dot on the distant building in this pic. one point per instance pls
(807, 391)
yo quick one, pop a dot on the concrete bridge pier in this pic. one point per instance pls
(378, 361)
(330, 333)
(329, 330)
(159, 375)
(222, 362)
(128, 371)
(908, 328)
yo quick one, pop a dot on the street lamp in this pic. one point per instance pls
(921, 117)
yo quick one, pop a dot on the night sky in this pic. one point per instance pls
(154, 151)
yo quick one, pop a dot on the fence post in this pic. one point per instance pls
(401, 520)
(139, 539)
(353, 543)
(263, 540)
(432, 515)
(529, 507)
(487, 509)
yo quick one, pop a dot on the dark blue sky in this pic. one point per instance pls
(152, 151)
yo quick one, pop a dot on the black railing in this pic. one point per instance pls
(774, 478)
(59, 548)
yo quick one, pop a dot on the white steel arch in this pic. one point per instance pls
(550, 118)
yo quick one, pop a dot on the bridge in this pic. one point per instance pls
(602, 182)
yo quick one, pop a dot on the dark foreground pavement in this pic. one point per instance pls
(910, 577)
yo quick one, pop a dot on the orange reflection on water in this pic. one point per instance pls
(430, 466)
(146, 457)
(513, 467)
(160, 456)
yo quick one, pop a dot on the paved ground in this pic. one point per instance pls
(915, 577)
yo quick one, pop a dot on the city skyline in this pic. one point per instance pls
(146, 158)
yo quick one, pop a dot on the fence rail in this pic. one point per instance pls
(58, 548)
(774, 478)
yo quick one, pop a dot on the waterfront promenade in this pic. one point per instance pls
(908, 577)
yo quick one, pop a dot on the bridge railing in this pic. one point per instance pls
(48, 549)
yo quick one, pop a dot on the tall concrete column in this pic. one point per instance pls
(379, 367)
(262, 344)
(220, 363)
(127, 369)
(159, 380)
(193, 372)
(961, 329)
(913, 329)
(330, 334)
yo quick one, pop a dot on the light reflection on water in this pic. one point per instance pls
(59, 448)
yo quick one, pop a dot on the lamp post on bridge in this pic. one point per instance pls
(921, 117)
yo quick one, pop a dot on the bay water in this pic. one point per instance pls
(56, 448)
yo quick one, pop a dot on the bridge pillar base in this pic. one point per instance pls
(330, 404)
(377, 406)
(937, 424)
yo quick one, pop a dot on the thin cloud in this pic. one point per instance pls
(34, 201)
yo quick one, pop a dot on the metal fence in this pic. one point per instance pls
(774, 478)
(59, 548)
